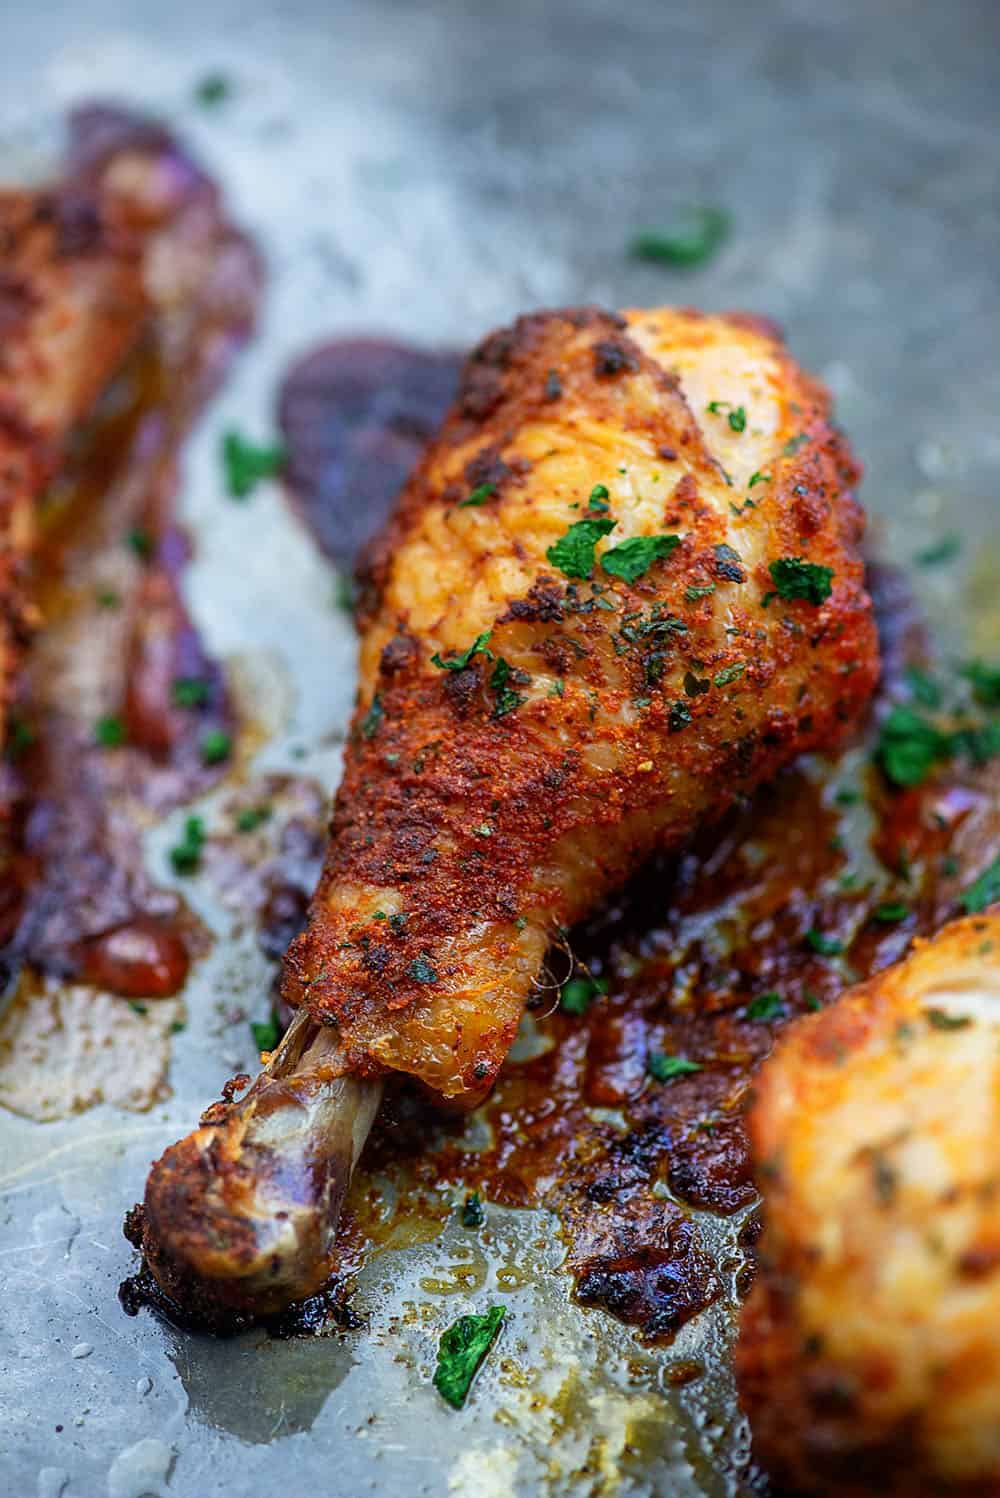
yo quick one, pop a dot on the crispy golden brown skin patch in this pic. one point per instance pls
(869, 1355)
(493, 797)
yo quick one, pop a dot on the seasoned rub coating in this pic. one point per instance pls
(72, 304)
(534, 718)
(869, 1355)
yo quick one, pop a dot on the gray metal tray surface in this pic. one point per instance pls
(428, 171)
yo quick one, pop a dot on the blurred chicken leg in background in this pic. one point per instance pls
(869, 1356)
(622, 588)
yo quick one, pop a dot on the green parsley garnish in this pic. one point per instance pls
(794, 577)
(942, 1020)
(793, 444)
(766, 1006)
(213, 89)
(758, 478)
(944, 550)
(983, 891)
(460, 661)
(252, 817)
(109, 732)
(190, 691)
(697, 235)
(909, 747)
(461, 1351)
(372, 719)
(138, 1008)
(891, 913)
(598, 497)
(729, 673)
(477, 497)
(826, 946)
(107, 598)
(507, 700)
(573, 553)
(266, 1032)
(663, 1068)
(421, 970)
(985, 682)
(635, 556)
(578, 993)
(694, 591)
(678, 717)
(216, 746)
(473, 1215)
(735, 415)
(185, 856)
(20, 736)
(141, 542)
(924, 688)
(246, 463)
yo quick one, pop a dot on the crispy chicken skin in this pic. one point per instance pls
(528, 732)
(72, 304)
(869, 1354)
(464, 835)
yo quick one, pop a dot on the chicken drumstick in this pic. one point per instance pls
(621, 589)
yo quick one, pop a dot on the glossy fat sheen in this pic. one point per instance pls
(71, 305)
(869, 1359)
(482, 835)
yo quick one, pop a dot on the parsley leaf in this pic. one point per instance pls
(635, 556)
(766, 1006)
(794, 577)
(213, 89)
(252, 817)
(461, 1351)
(729, 673)
(507, 700)
(477, 497)
(663, 1068)
(573, 553)
(984, 891)
(942, 1020)
(985, 682)
(758, 478)
(109, 732)
(909, 746)
(598, 497)
(185, 856)
(737, 415)
(826, 946)
(190, 691)
(266, 1033)
(694, 591)
(944, 550)
(246, 463)
(697, 234)
(579, 992)
(372, 719)
(473, 1215)
(421, 970)
(891, 913)
(459, 662)
(215, 747)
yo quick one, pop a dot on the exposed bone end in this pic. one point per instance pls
(241, 1216)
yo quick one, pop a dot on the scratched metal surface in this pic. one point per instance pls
(429, 171)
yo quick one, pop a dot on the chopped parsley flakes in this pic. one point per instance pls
(696, 235)
(635, 556)
(578, 993)
(246, 463)
(266, 1033)
(185, 856)
(477, 497)
(984, 891)
(794, 577)
(461, 1352)
(664, 1068)
(826, 946)
(459, 662)
(421, 970)
(766, 1006)
(109, 732)
(573, 553)
(735, 415)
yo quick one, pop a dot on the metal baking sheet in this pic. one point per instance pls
(427, 172)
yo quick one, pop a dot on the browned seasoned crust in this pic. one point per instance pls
(475, 816)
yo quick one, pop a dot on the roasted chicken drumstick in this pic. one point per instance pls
(869, 1356)
(621, 589)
